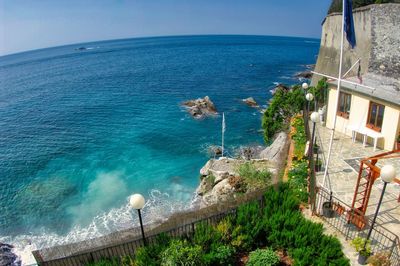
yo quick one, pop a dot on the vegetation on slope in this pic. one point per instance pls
(336, 5)
(258, 230)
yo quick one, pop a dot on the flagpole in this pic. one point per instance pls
(337, 100)
(223, 131)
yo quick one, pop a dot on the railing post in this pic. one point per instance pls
(38, 257)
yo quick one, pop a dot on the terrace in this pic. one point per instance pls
(343, 175)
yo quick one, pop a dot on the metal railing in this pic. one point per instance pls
(382, 240)
(181, 224)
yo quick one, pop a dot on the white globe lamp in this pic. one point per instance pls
(309, 97)
(314, 117)
(388, 173)
(304, 85)
(137, 201)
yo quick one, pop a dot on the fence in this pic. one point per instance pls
(382, 240)
(180, 224)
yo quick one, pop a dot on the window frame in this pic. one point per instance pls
(338, 111)
(375, 127)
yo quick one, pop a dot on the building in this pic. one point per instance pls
(371, 113)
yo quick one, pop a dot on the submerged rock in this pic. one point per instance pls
(201, 107)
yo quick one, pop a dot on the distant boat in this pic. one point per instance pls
(81, 49)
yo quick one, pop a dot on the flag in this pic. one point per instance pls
(349, 23)
(223, 122)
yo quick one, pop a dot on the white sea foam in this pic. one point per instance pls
(159, 205)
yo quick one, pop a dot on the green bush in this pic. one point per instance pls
(205, 235)
(298, 179)
(253, 176)
(265, 257)
(151, 254)
(248, 232)
(282, 106)
(181, 253)
(220, 255)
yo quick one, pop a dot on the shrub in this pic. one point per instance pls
(220, 255)
(266, 257)
(379, 259)
(298, 179)
(253, 176)
(205, 235)
(181, 253)
(358, 243)
(283, 105)
(151, 254)
(249, 226)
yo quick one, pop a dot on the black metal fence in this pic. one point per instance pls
(181, 224)
(382, 240)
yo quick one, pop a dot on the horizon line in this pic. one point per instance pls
(149, 37)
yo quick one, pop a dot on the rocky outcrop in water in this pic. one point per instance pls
(201, 107)
(304, 74)
(251, 102)
(7, 257)
(220, 180)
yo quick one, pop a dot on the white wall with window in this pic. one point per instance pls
(359, 110)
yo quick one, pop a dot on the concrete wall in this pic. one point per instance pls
(329, 52)
(378, 39)
(358, 116)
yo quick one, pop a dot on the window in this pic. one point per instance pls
(375, 116)
(344, 105)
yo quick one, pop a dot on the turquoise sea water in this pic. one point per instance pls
(82, 130)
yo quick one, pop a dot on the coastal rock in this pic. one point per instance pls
(304, 74)
(277, 151)
(250, 102)
(7, 257)
(280, 86)
(200, 108)
(214, 150)
(220, 180)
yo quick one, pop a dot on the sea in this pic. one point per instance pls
(84, 126)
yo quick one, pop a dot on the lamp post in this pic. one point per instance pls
(137, 202)
(304, 86)
(315, 119)
(309, 98)
(388, 173)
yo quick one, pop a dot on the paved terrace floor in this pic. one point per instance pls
(343, 172)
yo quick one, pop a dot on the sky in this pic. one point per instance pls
(30, 24)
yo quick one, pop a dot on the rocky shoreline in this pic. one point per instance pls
(7, 257)
(220, 180)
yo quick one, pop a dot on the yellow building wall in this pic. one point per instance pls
(358, 117)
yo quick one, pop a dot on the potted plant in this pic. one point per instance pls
(379, 259)
(363, 247)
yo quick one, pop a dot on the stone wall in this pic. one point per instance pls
(385, 40)
(378, 39)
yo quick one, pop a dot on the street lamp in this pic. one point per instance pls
(304, 85)
(137, 202)
(309, 98)
(315, 119)
(388, 173)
